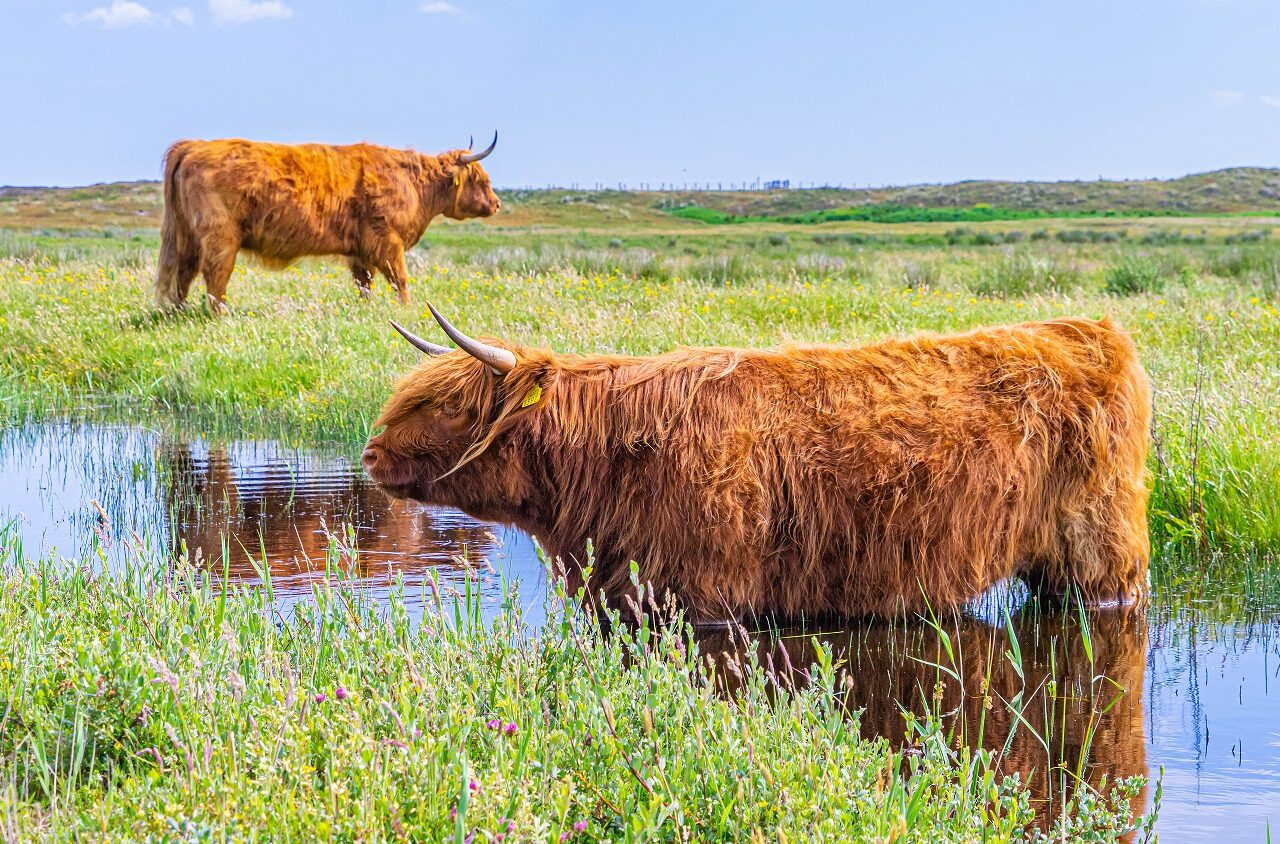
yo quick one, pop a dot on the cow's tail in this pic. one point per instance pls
(179, 248)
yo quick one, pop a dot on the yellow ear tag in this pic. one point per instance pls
(456, 181)
(532, 397)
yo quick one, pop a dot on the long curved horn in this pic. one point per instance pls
(500, 361)
(468, 157)
(471, 141)
(424, 346)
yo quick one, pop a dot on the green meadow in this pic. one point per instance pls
(301, 357)
(157, 705)
(888, 213)
(165, 705)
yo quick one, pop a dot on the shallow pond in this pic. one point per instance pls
(1181, 688)
(74, 487)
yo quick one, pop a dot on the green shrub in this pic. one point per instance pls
(1241, 263)
(703, 215)
(920, 275)
(1019, 274)
(1133, 274)
(1254, 236)
(852, 238)
(1091, 235)
(721, 270)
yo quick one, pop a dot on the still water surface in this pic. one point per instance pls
(1201, 693)
(253, 500)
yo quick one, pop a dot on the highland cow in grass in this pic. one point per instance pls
(802, 480)
(278, 202)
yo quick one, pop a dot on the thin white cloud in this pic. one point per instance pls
(1274, 102)
(439, 7)
(244, 11)
(124, 13)
(1227, 99)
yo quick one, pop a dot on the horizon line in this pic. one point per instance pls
(752, 186)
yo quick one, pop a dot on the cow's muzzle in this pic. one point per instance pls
(390, 475)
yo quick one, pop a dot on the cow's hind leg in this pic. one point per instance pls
(177, 269)
(1107, 547)
(363, 278)
(188, 268)
(216, 264)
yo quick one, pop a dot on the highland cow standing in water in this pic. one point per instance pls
(365, 203)
(803, 480)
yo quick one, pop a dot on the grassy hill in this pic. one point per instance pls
(133, 205)
(1238, 189)
(122, 204)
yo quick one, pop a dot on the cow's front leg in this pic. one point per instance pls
(394, 268)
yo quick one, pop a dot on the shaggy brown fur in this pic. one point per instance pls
(802, 480)
(366, 203)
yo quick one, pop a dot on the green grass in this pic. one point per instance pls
(1023, 274)
(301, 358)
(152, 704)
(1241, 192)
(1133, 274)
(160, 705)
(889, 213)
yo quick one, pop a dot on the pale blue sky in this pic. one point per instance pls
(852, 92)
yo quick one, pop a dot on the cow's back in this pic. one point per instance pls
(852, 479)
(282, 200)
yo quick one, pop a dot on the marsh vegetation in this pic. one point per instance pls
(650, 734)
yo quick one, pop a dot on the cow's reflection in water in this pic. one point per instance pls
(1075, 705)
(290, 510)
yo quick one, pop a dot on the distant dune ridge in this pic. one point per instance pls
(1233, 190)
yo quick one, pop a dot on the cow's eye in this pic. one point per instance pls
(450, 410)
